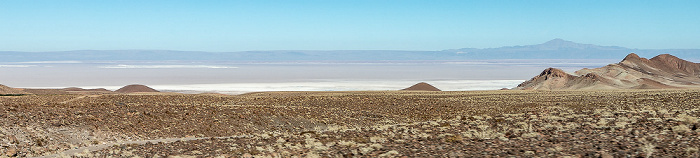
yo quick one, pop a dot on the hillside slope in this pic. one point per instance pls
(633, 72)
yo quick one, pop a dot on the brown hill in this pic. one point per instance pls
(70, 90)
(46, 91)
(665, 65)
(5, 90)
(633, 72)
(550, 78)
(135, 88)
(421, 87)
(82, 89)
(553, 78)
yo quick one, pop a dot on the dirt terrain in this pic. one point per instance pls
(638, 123)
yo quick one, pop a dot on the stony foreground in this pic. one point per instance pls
(637, 123)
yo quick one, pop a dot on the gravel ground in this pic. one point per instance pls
(557, 133)
(635, 123)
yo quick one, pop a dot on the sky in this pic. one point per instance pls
(246, 25)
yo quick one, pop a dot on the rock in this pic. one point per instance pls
(12, 152)
(12, 139)
(391, 153)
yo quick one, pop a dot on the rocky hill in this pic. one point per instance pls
(633, 72)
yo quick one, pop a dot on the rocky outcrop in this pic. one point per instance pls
(553, 78)
(633, 72)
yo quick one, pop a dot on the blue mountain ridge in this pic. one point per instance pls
(553, 49)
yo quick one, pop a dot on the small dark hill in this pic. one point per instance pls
(422, 87)
(135, 88)
(82, 89)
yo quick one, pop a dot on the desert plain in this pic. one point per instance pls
(503, 123)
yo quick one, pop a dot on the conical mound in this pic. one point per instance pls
(421, 87)
(135, 88)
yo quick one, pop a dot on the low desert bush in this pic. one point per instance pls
(687, 119)
(680, 129)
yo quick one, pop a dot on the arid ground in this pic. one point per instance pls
(617, 123)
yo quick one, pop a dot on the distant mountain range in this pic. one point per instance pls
(563, 49)
(554, 49)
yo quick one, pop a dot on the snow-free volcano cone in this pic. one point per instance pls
(421, 87)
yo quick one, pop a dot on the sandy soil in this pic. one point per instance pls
(638, 123)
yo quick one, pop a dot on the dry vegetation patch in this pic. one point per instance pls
(383, 123)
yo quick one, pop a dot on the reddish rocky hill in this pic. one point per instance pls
(135, 88)
(633, 72)
(421, 87)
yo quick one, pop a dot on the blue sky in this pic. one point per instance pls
(232, 25)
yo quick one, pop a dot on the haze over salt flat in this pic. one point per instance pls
(236, 78)
(240, 72)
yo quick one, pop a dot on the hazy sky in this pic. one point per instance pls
(232, 25)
